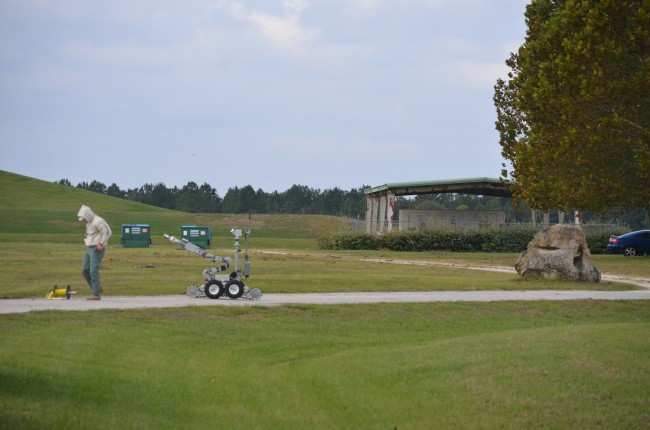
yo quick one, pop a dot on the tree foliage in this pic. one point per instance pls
(194, 198)
(574, 117)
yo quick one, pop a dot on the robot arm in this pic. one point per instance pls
(189, 246)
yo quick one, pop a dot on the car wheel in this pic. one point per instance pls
(629, 251)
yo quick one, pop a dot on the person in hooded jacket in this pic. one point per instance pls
(97, 234)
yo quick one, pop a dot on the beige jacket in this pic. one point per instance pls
(97, 229)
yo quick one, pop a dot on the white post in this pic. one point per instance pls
(382, 212)
(368, 214)
(375, 214)
(390, 211)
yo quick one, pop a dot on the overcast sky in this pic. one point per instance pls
(268, 93)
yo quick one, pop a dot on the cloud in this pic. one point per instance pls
(295, 5)
(233, 8)
(285, 31)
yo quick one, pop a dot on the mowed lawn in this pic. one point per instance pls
(513, 365)
(576, 364)
(32, 269)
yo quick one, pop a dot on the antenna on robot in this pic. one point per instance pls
(247, 264)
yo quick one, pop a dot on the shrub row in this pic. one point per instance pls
(483, 240)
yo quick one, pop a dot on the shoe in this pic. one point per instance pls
(93, 298)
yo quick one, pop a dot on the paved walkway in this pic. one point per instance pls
(9, 306)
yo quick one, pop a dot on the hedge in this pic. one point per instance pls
(512, 239)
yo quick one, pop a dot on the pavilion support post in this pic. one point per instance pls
(375, 215)
(373, 225)
(369, 214)
(390, 211)
(382, 213)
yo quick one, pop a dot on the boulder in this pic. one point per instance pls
(559, 251)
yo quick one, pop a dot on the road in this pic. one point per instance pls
(9, 306)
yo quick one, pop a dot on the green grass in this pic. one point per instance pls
(513, 365)
(581, 364)
(32, 269)
(611, 264)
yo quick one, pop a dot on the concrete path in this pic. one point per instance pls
(9, 306)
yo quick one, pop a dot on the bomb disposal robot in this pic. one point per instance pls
(233, 286)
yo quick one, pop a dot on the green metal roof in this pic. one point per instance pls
(480, 186)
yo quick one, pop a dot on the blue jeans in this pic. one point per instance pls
(90, 268)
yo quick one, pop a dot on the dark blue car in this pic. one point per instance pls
(630, 244)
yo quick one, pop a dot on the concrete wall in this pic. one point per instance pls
(411, 219)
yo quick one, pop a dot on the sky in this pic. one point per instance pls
(267, 93)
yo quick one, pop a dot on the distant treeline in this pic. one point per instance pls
(300, 199)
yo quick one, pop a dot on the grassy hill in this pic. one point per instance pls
(33, 210)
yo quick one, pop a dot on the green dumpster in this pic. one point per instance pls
(136, 235)
(201, 236)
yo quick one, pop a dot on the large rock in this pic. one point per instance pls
(559, 251)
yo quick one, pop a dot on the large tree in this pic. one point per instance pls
(574, 115)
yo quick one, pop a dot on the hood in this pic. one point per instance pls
(85, 214)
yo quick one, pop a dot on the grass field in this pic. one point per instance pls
(576, 364)
(420, 366)
(41, 246)
(32, 269)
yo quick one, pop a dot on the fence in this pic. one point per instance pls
(359, 225)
